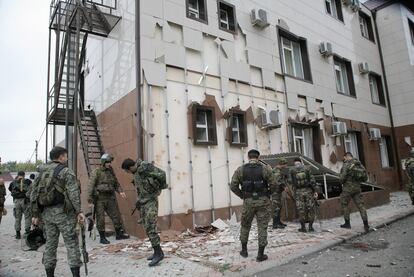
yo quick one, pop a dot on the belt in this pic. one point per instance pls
(247, 195)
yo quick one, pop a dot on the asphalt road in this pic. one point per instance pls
(386, 252)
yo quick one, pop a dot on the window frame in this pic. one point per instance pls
(380, 89)
(352, 138)
(187, 8)
(411, 29)
(230, 29)
(385, 141)
(242, 129)
(335, 5)
(347, 65)
(304, 55)
(211, 125)
(367, 26)
(303, 138)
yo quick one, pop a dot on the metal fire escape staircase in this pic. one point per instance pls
(73, 21)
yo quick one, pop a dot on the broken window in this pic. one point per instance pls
(344, 77)
(295, 56)
(366, 26)
(375, 86)
(334, 8)
(227, 16)
(204, 125)
(303, 141)
(197, 9)
(238, 129)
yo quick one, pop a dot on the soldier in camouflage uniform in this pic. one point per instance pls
(305, 193)
(409, 169)
(254, 182)
(19, 188)
(101, 192)
(351, 190)
(280, 176)
(149, 181)
(2, 197)
(62, 215)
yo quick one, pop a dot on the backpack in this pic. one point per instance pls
(359, 173)
(50, 188)
(155, 176)
(160, 178)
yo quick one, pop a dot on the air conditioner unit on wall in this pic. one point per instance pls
(339, 128)
(374, 133)
(259, 18)
(270, 119)
(363, 68)
(325, 48)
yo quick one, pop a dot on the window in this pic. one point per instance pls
(366, 26)
(204, 125)
(227, 17)
(411, 26)
(344, 77)
(238, 129)
(375, 86)
(386, 152)
(197, 9)
(334, 8)
(351, 144)
(303, 141)
(295, 57)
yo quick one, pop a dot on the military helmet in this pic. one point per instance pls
(412, 152)
(35, 239)
(106, 158)
(281, 161)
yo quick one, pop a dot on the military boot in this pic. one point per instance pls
(302, 227)
(280, 222)
(103, 239)
(158, 256)
(75, 271)
(310, 229)
(366, 226)
(243, 252)
(346, 225)
(120, 234)
(50, 272)
(277, 224)
(18, 236)
(260, 255)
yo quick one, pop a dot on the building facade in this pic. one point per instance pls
(221, 77)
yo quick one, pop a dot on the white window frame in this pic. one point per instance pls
(363, 25)
(373, 86)
(289, 46)
(235, 128)
(202, 126)
(385, 162)
(300, 142)
(224, 21)
(342, 83)
(411, 28)
(332, 6)
(195, 11)
(351, 144)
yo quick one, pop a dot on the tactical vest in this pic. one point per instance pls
(106, 180)
(15, 189)
(301, 179)
(409, 167)
(50, 188)
(253, 180)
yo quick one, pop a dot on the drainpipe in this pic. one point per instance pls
(140, 150)
(387, 95)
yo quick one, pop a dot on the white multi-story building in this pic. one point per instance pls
(221, 77)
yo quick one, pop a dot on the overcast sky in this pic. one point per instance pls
(23, 69)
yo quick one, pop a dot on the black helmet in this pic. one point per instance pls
(35, 239)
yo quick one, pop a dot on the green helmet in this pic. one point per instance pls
(106, 158)
(35, 239)
(412, 152)
(282, 161)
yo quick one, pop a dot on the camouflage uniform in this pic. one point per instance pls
(101, 191)
(2, 198)
(59, 219)
(351, 189)
(148, 199)
(304, 186)
(259, 206)
(19, 189)
(409, 168)
(277, 194)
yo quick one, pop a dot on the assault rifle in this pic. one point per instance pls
(85, 254)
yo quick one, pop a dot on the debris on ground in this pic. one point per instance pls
(373, 265)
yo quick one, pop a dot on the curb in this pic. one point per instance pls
(318, 248)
